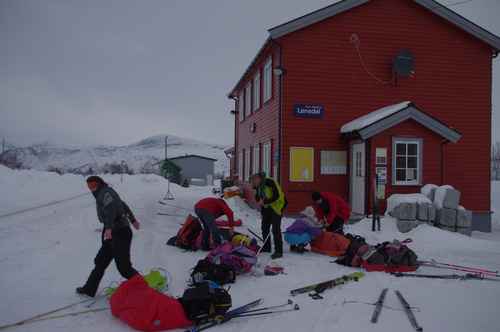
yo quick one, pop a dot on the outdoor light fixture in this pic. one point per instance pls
(278, 71)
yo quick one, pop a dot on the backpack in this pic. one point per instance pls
(356, 243)
(186, 237)
(205, 301)
(396, 253)
(240, 258)
(206, 270)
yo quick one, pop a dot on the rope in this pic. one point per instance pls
(356, 42)
(43, 205)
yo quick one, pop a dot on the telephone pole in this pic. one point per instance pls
(168, 195)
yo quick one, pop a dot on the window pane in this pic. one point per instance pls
(400, 162)
(400, 175)
(401, 149)
(411, 174)
(412, 162)
(412, 149)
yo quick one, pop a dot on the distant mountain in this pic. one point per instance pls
(140, 157)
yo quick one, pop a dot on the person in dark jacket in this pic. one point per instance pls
(272, 202)
(332, 210)
(208, 210)
(116, 237)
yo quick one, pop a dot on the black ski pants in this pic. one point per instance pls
(118, 248)
(271, 219)
(337, 226)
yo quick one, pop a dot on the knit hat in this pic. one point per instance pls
(97, 179)
(309, 213)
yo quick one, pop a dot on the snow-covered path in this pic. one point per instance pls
(45, 254)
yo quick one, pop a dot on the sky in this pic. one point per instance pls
(117, 71)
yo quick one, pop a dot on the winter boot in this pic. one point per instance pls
(84, 291)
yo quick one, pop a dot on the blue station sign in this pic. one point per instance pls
(308, 110)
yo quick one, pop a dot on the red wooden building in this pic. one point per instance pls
(398, 88)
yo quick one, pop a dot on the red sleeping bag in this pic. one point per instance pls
(145, 309)
(330, 244)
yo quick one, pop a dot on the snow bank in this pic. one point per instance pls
(394, 200)
(440, 195)
(373, 117)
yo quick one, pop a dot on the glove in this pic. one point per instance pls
(136, 224)
(108, 234)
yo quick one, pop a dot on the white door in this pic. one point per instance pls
(358, 167)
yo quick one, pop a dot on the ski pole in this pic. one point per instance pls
(289, 302)
(255, 234)
(265, 241)
(461, 269)
(464, 267)
(262, 313)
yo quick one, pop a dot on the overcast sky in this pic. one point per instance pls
(113, 72)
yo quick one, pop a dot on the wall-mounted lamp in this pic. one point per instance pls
(278, 71)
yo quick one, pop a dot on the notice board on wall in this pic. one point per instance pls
(301, 164)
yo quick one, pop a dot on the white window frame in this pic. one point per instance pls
(268, 79)
(266, 158)
(256, 91)
(419, 156)
(248, 99)
(256, 158)
(247, 165)
(240, 165)
(241, 104)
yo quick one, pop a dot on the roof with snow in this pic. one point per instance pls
(384, 118)
(345, 5)
(192, 156)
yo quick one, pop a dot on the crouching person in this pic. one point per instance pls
(303, 230)
(116, 237)
(332, 210)
(208, 210)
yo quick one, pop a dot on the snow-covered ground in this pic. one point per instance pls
(46, 253)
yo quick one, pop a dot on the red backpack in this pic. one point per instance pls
(186, 237)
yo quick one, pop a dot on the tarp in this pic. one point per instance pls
(330, 244)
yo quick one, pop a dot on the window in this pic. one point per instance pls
(247, 165)
(240, 165)
(266, 158)
(241, 104)
(407, 161)
(333, 162)
(301, 164)
(248, 100)
(256, 158)
(256, 92)
(268, 78)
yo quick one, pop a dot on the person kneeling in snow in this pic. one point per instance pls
(116, 235)
(208, 210)
(332, 210)
(303, 230)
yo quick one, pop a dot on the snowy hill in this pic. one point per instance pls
(139, 157)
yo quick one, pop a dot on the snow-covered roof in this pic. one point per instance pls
(373, 117)
(387, 117)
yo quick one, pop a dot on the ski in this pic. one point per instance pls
(408, 311)
(227, 317)
(274, 307)
(45, 315)
(445, 266)
(467, 276)
(322, 286)
(378, 306)
(252, 313)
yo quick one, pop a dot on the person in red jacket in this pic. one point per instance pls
(208, 210)
(332, 210)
